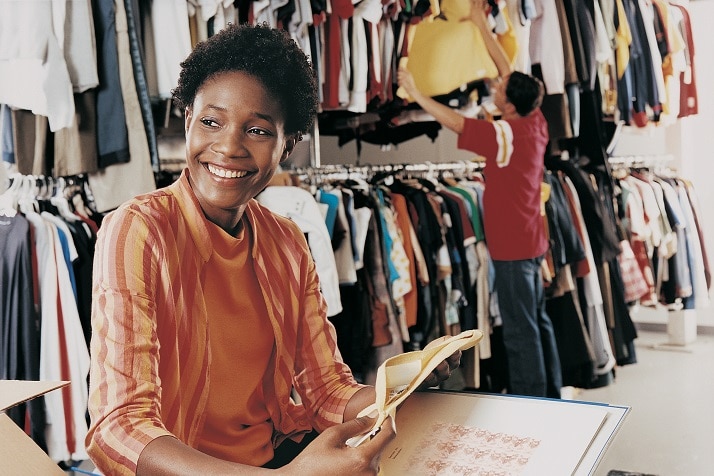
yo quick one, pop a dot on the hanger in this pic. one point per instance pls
(59, 200)
(27, 195)
(8, 199)
(386, 174)
(78, 199)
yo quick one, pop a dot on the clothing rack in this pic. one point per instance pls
(49, 237)
(646, 160)
(681, 323)
(346, 171)
(23, 190)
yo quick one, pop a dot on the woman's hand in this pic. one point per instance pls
(328, 454)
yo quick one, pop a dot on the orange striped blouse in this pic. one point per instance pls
(150, 352)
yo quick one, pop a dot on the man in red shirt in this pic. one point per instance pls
(514, 147)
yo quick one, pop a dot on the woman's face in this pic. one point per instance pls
(235, 140)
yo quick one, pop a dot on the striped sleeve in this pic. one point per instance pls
(322, 379)
(325, 382)
(124, 393)
(504, 139)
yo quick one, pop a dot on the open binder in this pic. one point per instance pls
(456, 433)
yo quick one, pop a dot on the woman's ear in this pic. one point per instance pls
(290, 143)
(188, 113)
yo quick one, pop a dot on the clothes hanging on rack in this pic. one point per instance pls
(355, 51)
(49, 249)
(75, 126)
(663, 227)
(567, 261)
(581, 291)
(602, 299)
(449, 269)
(20, 338)
(300, 206)
(411, 247)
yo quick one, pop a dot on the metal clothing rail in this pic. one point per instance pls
(646, 160)
(370, 169)
(23, 192)
(373, 173)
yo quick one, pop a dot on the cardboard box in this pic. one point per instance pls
(19, 454)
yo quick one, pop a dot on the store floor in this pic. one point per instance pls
(670, 429)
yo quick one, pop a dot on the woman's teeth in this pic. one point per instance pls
(225, 173)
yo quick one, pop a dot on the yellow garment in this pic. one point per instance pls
(544, 196)
(623, 39)
(448, 52)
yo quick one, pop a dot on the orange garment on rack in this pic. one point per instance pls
(404, 224)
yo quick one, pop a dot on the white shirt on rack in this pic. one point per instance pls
(172, 40)
(33, 70)
(546, 46)
(301, 207)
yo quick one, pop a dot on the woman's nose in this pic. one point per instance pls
(231, 144)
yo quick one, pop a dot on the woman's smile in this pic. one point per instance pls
(225, 173)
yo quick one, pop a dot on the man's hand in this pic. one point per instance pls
(405, 80)
(442, 371)
(446, 116)
(478, 14)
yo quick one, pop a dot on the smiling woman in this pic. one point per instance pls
(235, 140)
(197, 348)
(244, 116)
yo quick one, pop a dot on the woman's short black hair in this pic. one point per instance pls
(524, 92)
(269, 55)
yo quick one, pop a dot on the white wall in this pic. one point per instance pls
(697, 133)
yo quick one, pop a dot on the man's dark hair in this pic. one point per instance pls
(524, 92)
(267, 54)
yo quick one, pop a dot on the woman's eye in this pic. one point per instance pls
(258, 131)
(209, 122)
